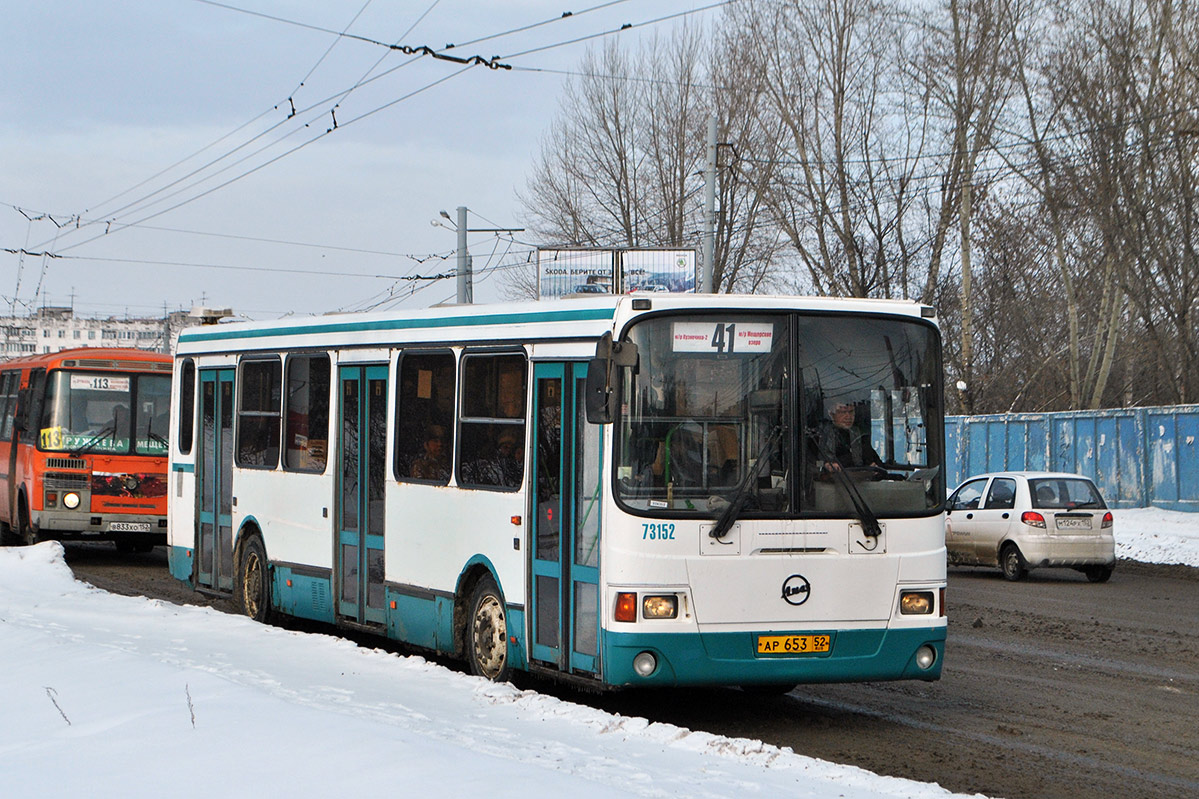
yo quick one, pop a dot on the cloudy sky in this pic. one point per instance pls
(152, 146)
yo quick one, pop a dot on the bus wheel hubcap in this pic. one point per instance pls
(489, 631)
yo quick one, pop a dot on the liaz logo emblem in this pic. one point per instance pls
(796, 589)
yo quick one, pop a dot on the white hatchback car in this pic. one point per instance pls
(1024, 520)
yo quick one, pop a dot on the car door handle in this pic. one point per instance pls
(1006, 515)
(969, 515)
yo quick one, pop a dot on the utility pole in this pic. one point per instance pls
(709, 210)
(466, 289)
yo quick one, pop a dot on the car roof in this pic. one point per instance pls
(1027, 475)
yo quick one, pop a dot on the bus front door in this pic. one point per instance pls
(567, 472)
(214, 511)
(361, 476)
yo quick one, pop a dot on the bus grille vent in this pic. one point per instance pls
(792, 550)
(66, 463)
(65, 481)
(320, 598)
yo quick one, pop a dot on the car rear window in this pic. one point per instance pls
(1057, 493)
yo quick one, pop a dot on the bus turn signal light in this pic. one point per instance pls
(626, 607)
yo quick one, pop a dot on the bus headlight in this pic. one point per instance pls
(70, 500)
(659, 607)
(916, 603)
(926, 656)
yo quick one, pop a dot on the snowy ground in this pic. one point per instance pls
(105, 696)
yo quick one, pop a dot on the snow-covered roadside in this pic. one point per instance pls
(113, 696)
(1153, 535)
(106, 695)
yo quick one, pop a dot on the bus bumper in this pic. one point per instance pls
(731, 659)
(82, 526)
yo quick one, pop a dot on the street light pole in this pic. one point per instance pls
(464, 272)
(466, 292)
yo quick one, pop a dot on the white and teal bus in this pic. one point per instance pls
(647, 490)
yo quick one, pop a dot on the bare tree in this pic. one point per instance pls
(622, 164)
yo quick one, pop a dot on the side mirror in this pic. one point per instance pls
(600, 399)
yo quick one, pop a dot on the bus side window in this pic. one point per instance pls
(492, 442)
(258, 414)
(187, 406)
(425, 417)
(307, 413)
(9, 382)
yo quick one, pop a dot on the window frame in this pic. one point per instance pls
(185, 431)
(243, 414)
(400, 448)
(463, 420)
(286, 400)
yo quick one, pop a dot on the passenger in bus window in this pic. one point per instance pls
(434, 462)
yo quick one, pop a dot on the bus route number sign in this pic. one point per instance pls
(100, 383)
(723, 338)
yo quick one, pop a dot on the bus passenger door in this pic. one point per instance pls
(214, 510)
(567, 478)
(361, 477)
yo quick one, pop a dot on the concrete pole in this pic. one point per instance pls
(466, 292)
(710, 210)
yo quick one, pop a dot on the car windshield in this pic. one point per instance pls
(108, 412)
(785, 400)
(1064, 493)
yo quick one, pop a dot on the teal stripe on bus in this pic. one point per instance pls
(597, 314)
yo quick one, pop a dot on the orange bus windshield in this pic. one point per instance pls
(117, 413)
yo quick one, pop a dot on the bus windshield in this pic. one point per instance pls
(105, 412)
(777, 406)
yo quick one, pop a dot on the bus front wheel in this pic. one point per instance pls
(25, 531)
(487, 632)
(253, 581)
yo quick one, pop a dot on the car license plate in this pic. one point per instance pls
(129, 527)
(1074, 523)
(792, 644)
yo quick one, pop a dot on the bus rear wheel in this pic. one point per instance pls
(253, 581)
(487, 632)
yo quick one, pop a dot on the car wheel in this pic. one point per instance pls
(1012, 562)
(253, 581)
(487, 632)
(1099, 573)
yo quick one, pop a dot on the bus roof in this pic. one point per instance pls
(575, 318)
(123, 358)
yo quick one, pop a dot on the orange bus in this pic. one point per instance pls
(83, 447)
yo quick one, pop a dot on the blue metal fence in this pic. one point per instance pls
(1137, 456)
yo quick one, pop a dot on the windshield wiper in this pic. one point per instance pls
(865, 515)
(104, 432)
(725, 522)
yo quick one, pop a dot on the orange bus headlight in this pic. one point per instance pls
(70, 500)
(916, 603)
(659, 607)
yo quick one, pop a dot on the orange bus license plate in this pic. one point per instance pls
(792, 644)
